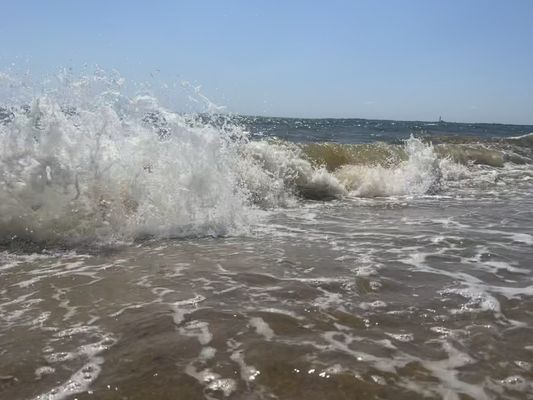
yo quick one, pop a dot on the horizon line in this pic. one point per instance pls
(371, 119)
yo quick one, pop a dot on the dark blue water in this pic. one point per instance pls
(368, 130)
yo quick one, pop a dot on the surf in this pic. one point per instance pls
(88, 161)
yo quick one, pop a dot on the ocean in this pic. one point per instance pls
(148, 254)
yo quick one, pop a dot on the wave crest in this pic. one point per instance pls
(103, 172)
(419, 174)
(88, 163)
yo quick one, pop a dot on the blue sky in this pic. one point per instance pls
(467, 60)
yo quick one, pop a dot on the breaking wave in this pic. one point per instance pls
(90, 163)
(87, 163)
(419, 174)
(85, 166)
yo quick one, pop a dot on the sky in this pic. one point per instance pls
(467, 61)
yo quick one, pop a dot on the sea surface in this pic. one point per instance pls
(147, 254)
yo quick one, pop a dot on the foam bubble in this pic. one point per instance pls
(261, 327)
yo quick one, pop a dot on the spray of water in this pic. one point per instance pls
(419, 174)
(89, 162)
(82, 160)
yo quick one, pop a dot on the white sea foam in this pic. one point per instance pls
(197, 329)
(103, 171)
(419, 174)
(79, 382)
(86, 162)
(262, 328)
(274, 171)
(212, 381)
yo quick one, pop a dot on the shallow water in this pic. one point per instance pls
(409, 298)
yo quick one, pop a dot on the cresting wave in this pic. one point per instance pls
(85, 166)
(89, 163)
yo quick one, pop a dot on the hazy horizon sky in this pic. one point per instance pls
(467, 61)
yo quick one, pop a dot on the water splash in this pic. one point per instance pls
(419, 174)
(87, 161)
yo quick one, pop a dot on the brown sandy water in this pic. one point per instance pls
(355, 299)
